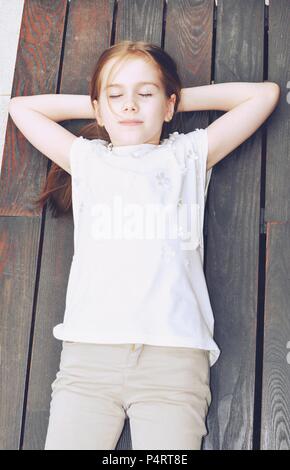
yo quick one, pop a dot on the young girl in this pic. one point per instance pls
(137, 336)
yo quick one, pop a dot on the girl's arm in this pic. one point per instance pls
(37, 116)
(248, 105)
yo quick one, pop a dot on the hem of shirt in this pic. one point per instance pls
(132, 338)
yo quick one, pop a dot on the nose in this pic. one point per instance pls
(129, 105)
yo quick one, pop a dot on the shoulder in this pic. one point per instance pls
(83, 145)
(195, 139)
(193, 144)
(82, 149)
(198, 138)
(83, 141)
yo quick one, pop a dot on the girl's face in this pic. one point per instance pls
(133, 99)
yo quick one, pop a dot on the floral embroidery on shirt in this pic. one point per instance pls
(162, 179)
(191, 154)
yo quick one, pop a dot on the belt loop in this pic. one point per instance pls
(133, 347)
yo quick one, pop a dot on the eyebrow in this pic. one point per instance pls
(139, 83)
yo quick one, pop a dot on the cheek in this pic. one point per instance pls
(158, 108)
(108, 111)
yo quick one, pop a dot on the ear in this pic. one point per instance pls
(170, 107)
(97, 113)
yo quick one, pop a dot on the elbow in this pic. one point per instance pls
(15, 101)
(273, 91)
(11, 103)
(276, 94)
(10, 106)
(276, 90)
(270, 94)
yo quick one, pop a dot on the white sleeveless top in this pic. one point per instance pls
(137, 270)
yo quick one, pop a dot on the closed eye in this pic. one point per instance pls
(117, 96)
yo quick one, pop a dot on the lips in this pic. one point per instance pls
(131, 122)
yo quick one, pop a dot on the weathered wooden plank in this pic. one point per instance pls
(275, 429)
(277, 206)
(23, 167)
(232, 258)
(276, 369)
(23, 173)
(87, 35)
(188, 38)
(19, 239)
(139, 21)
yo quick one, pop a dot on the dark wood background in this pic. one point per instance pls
(247, 230)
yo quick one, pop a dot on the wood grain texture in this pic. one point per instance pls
(19, 244)
(275, 429)
(276, 365)
(192, 50)
(232, 251)
(277, 205)
(24, 168)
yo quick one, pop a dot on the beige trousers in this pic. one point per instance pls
(163, 390)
